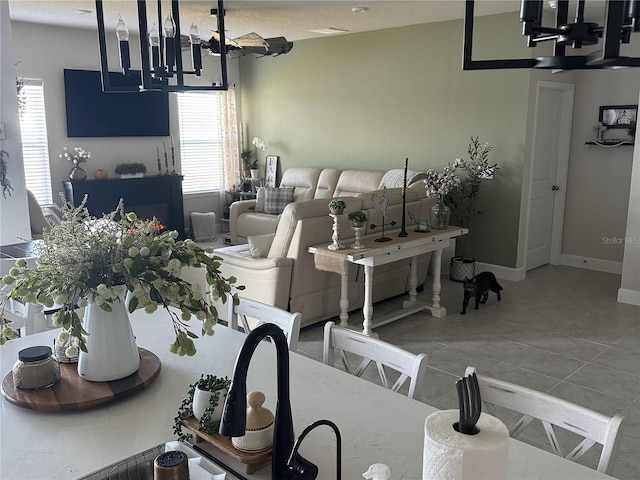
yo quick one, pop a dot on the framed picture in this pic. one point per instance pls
(618, 116)
(272, 171)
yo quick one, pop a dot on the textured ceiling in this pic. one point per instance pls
(293, 19)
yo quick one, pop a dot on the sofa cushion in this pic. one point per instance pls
(327, 183)
(276, 199)
(352, 182)
(303, 180)
(259, 245)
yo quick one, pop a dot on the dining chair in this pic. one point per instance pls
(343, 340)
(592, 427)
(252, 314)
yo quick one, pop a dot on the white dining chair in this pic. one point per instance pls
(249, 314)
(343, 340)
(593, 427)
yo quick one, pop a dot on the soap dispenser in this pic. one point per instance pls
(377, 471)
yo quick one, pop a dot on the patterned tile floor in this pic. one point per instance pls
(560, 331)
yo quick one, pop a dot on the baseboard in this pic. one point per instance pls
(597, 264)
(500, 271)
(632, 297)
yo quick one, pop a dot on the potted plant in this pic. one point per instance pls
(357, 218)
(462, 200)
(95, 261)
(337, 206)
(131, 170)
(204, 401)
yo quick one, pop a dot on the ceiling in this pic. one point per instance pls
(293, 19)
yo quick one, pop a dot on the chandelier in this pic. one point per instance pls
(161, 59)
(622, 18)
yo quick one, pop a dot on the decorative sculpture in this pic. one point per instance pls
(380, 204)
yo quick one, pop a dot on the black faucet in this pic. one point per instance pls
(234, 415)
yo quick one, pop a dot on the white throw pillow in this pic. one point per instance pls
(261, 195)
(259, 245)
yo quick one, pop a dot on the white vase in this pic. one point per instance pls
(255, 173)
(112, 352)
(201, 402)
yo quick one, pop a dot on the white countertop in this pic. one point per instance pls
(377, 426)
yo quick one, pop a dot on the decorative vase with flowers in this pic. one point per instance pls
(78, 156)
(462, 200)
(438, 185)
(251, 165)
(94, 261)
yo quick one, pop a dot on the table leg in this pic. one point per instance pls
(344, 296)
(367, 309)
(437, 310)
(413, 280)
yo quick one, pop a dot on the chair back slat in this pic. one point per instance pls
(554, 412)
(249, 314)
(386, 356)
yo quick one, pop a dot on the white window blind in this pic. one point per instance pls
(200, 141)
(35, 146)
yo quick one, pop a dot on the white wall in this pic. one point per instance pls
(14, 216)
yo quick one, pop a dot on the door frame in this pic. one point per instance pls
(564, 147)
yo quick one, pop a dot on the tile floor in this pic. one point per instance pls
(560, 331)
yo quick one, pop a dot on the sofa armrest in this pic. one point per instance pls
(237, 209)
(267, 280)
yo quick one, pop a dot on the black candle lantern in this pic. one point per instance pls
(194, 38)
(169, 43)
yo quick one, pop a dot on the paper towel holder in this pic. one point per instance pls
(470, 404)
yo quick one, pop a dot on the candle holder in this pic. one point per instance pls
(358, 231)
(336, 233)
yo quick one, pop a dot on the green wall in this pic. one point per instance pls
(368, 100)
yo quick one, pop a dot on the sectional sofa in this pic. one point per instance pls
(284, 273)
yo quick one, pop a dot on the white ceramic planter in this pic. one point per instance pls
(201, 402)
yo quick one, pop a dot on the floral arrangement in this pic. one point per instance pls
(87, 258)
(440, 184)
(78, 155)
(247, 154)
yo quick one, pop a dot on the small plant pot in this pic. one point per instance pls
(335, 211)
(357, 224)
(201, 402)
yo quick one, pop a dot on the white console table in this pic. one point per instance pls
(380, 253)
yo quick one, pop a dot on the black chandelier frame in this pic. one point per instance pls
(168, 58)
(622, 18)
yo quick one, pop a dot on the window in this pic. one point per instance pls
(35, 147)
(201, 142)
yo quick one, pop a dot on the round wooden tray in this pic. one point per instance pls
(74, 393)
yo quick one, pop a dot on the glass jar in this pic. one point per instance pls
(35, 368)
(440, 215)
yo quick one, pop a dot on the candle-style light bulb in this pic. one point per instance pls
(154, 42)
(196, 55)
(122, 32)
(169, 43)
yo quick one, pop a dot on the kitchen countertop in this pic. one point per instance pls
(377, 425)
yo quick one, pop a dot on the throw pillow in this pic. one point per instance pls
(261, 195)
(259, 245)
(277, 199)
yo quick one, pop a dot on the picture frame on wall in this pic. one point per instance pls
(272, 171)
(618, 116)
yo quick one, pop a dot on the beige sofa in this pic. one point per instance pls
(287, 277)
(307, 184)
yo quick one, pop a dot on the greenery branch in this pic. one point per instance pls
(5, 183)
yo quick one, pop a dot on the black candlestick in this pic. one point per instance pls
(403, 230)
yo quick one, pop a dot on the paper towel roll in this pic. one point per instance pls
(450, 455)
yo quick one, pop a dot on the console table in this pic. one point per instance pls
(380, 253)
(157, 196)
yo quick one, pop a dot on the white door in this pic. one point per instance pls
(548, 177)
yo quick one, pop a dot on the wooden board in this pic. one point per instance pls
(74, 393)
(254, 460)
